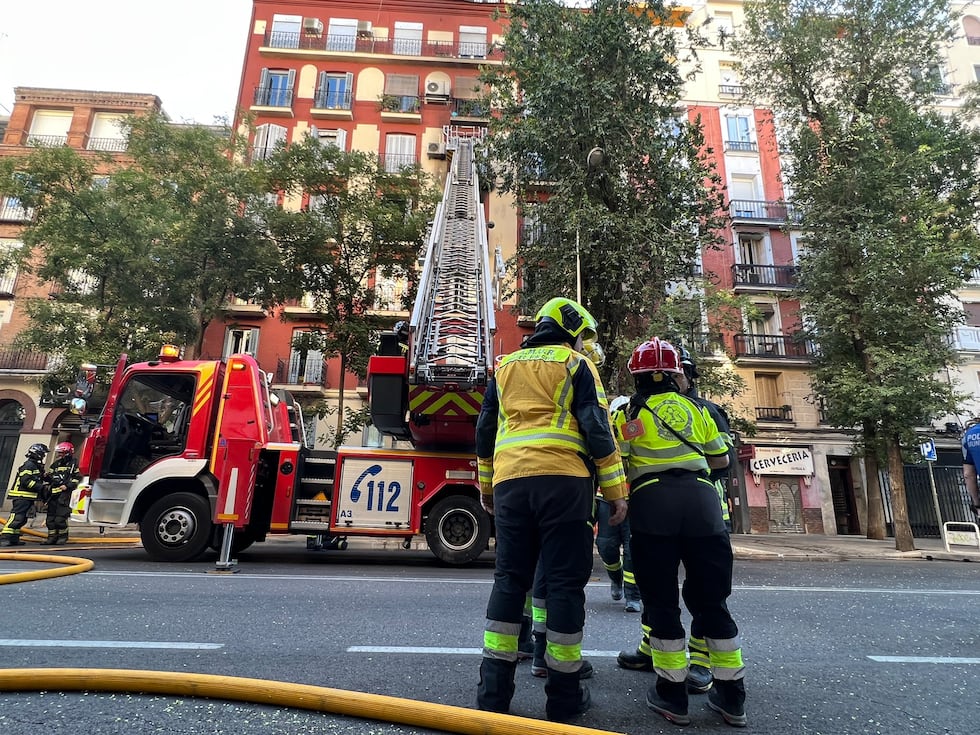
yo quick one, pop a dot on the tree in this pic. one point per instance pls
(589, 141)
(145, 251)
(361, 223)
(888, 194)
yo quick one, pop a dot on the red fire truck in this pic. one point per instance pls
(201, 453)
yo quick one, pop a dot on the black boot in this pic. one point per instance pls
(567, 696)
(699, 679)
(616, 584)
(496, 687)
(539, 667)
(636, 661)
(51, 540)
(62, 538)
(525, 646)
(9, 539)
(669, 700)
(727, 698)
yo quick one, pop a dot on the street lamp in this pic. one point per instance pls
(593, 160)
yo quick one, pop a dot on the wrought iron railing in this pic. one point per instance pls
(266, 96)
(774, 413)
(468, 108)
(394, 162)
(47, 140)
(761, 210)
(747, 146)
(773, 276)
(23, 360)
(773, 346)
(409, 103)
(302, 371)
(107, 144)
(333, 99)
(730, 90)
(967, 339)
(368, 44)
(11, 210)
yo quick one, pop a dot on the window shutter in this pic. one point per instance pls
(264, 79)
(402, 85)
(467, 88)
(342, 140)
(291, 79)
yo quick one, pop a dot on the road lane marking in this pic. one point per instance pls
(438, 650)
(924, 660)
(108, 644)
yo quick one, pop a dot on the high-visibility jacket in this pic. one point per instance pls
(29, 481)
(64, 474)
(669, 432)
(545, 413)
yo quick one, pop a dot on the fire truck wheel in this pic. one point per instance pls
(177, 527)
(240, 540)
(457, 529)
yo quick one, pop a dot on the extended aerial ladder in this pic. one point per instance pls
(432, 394)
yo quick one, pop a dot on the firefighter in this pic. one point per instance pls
(402, 332)
(669, 445)
(63, 479)
(28, 485)
(544, 416)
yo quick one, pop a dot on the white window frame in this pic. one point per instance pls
(243, 340)
(342, 34)
(50, 127)
(399, 151)
(289, 28)
(473, 42)
(407, 40)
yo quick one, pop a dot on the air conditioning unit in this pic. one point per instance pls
(437, 149)
(437, 89)
(313, 26)
(365, 28)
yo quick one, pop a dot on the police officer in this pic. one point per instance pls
(28, 484)
(544, 418)
(971, 460)
(63, 479)
(669, 444)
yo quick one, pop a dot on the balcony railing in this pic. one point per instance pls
(21, 360)
(394, 162)
(333, 99)
(745, 146)
(107, 144)
(774, 413)
(12, 211)
(297, 371)
(51, 141)
(967, 339)
(273, 97)
(758, 210)
(773, 347)
(367, 44)
(730, 90)
(468, 108)
(767, 276)
(409, 103)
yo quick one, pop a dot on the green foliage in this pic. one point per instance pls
(361, 223)
(145, 253)
(643, 210)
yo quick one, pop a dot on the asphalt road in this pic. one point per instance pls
(831, 648)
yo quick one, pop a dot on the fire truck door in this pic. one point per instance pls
(373, 493)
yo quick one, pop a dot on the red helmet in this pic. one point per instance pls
(655, 356)
(64, 449)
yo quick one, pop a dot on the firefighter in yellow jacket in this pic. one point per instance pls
(669, 445)
(544, 428)
(28, 485)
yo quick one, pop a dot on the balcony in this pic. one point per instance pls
(48, 141)
(761, 211)
(730, 90)
(773, 347)
(468, 110)
(12, 211)
(281, 43)
(112, 145)
(333, 104)
(401, 107)
(395, 162)
(302, 373)
(765, 277)
(273, 100)
(21, 361)
(742, 146)
(967, 339)
(780, 414)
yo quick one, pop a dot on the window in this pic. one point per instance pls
(275, 88)
(334, 91)
(743, 193)
(472, 42)
(408, 39)
(731, 82)
(976, 72)
(305, 367)
(342, 34)
(972, 314)
(107, 133)
(267, 138)
(724, 25)
(739, 137)
(399, 151)
(285, 31)
(336, 138)
(8, 278)
(767, 389)
(971, 29)
(50, 127)
(242, 340)
(11, 210)
(401, 93)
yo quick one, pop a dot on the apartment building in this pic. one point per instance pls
(87, 121)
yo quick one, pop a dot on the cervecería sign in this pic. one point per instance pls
(782, 461)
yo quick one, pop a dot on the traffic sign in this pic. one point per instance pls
(928, 449)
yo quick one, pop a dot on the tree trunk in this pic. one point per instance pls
(876, 510)
(338, 436)
(900, 511)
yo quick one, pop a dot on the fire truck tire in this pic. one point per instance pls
(457, 529)
(177, 527)
(240, 541)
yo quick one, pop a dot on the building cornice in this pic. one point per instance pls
(40, 95)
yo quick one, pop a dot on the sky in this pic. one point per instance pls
(189, 53)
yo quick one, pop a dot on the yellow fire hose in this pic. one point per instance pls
(74, 565)
(283, 694)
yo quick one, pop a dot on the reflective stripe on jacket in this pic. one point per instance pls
(545, 413)
(28, 482)
(648, 445)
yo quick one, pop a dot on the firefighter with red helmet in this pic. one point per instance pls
(63, 478)
(28, 485)
(669, 445)
(543, 425)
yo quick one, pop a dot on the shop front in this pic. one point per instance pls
(780, 492)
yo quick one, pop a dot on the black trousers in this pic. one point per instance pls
(543, 522)
(59, 508)
(20, 508)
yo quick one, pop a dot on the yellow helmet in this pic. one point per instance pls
(570, 316)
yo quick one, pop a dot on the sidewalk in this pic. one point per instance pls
(782, 546)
